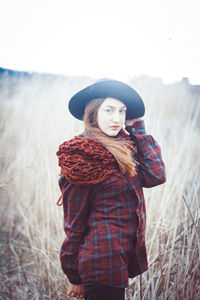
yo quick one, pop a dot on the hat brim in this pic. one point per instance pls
(108, 88)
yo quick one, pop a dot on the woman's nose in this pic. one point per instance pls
(116, 116)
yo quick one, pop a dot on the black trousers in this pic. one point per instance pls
(97, 291)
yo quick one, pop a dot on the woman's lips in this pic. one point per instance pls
(114, 127)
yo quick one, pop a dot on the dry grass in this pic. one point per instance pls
(34, 121)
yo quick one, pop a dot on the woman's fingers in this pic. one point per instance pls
(81, 296)
(76, 291)
(131, 121)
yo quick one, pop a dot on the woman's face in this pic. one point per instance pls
(111, 116)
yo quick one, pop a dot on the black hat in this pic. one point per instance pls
(108, 88)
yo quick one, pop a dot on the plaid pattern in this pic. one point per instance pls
(105, 222)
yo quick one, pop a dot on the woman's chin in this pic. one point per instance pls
(112, 132)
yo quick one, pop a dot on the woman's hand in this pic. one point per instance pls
(131, 121)
(76, 290)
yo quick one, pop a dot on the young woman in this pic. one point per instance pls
(102, 175)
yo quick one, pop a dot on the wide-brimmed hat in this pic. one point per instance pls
(108, 88)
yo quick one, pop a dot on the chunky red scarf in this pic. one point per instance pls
(85, 161)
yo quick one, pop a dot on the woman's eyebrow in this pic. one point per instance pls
(114, 106)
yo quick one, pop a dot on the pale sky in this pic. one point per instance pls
(102, 38)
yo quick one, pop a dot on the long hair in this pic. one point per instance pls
(122, 150)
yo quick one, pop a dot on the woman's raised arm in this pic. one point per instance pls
(148, 154)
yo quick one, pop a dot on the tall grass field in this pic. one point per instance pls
(34, 121)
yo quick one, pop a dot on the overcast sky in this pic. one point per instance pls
(102, 38)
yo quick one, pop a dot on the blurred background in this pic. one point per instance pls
(117, 39)
(49, 51)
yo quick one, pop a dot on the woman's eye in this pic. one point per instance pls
(123, 111)
(108, 110)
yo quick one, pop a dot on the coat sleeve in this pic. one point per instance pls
(75, 206)
(151, 166)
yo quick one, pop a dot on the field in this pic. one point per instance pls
(34, 121)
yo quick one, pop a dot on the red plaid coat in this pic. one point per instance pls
(105, 222)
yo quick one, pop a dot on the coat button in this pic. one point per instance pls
(133, 129)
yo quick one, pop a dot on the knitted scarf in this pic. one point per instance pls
(85, 161)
